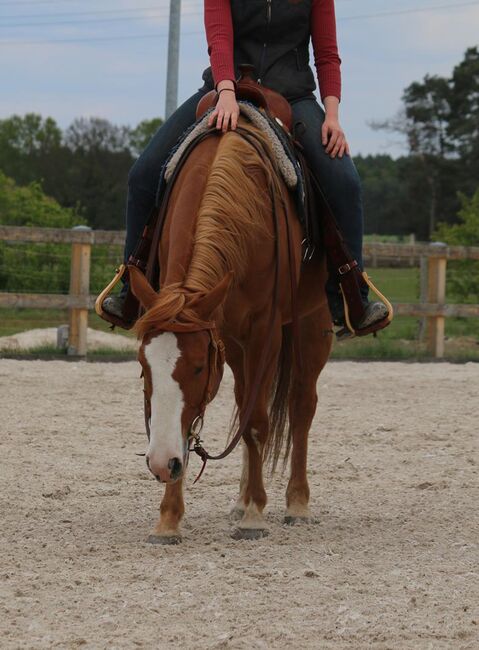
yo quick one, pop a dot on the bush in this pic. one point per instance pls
(39, 268)
(463, 276)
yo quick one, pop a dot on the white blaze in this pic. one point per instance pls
(166, 439)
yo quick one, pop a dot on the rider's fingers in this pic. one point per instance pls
(324, 133)
(337, 147)
(212, 117)
(332, 141)
(342, 149)
(226, 121)
(219, 121)
(234, 120)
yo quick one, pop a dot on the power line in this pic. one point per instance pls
(100, 20)
(94, 38)
(195, 5)
(98, 12)
(411, 11)
(197, 33)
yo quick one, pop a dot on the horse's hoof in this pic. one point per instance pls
(164, 540)
(290, 520)
(249, 533)
(236, 514)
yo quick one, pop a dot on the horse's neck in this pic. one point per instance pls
(176, 246)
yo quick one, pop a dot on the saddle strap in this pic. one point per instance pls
(340, 259)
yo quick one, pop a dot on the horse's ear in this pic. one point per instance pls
(141, 288)
(207, 304)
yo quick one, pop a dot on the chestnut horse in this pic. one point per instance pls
(220, 253)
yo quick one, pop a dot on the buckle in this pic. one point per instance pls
(345, 268)
(136, 261)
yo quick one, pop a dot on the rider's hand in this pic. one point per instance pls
(332, 134)
(226, 111)
(333, 138)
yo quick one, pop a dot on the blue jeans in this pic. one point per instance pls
(145, 174)
(339, 181)
(339, 177)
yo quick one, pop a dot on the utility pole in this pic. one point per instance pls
(173, 58)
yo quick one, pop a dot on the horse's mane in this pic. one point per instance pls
(232, 212)
(172, 304)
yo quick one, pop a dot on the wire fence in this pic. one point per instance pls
(36, 289)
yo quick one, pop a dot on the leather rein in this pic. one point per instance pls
(216, 346)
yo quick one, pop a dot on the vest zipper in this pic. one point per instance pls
(265, 44)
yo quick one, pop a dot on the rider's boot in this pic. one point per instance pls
(374, 312)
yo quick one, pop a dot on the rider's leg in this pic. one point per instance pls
(341, 185)
(145, 173)
(143, 183)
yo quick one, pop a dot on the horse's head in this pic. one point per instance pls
(182, 360)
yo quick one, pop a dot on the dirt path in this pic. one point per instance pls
(392, 564)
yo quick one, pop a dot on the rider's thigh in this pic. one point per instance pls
(336, 175)
(145, 172)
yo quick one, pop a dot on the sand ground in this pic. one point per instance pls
(392, 563)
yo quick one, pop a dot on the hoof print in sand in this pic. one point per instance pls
(164, 540)
(249, 533)
(291, 521)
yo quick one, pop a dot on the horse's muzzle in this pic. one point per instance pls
(169, 474)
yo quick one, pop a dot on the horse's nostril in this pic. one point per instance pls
(175, 466)
(147, 459)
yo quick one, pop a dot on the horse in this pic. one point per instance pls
(229, 253)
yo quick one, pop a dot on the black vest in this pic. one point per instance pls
(273, 35)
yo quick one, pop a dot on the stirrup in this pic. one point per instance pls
(375, 327)
(111, 318)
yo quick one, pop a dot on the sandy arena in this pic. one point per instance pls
(392, 563)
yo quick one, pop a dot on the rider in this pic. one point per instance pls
(274, 36)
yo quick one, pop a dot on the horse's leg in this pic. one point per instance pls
(172, 509)
(253, 495)
(235, 359)
(316, 341)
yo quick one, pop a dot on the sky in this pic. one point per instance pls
(107, 58)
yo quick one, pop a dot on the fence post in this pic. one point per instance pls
(436, 295)
(423, 292)
(79, 286)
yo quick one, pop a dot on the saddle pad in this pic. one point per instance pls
(256, 117)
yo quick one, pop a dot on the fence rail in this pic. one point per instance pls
(433, 260)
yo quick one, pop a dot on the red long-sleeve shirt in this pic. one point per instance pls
(219, 35)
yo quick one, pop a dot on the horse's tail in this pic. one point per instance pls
(279, 427)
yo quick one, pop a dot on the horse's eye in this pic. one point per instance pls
(198, 369)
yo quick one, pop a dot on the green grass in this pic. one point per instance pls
(49, 352)
(13, 321)
(399, 341)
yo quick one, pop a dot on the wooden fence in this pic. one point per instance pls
(433, 260)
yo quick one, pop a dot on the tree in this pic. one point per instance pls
(142, 134)
(33, 267)
(463, 122)
(464, 275)
(96, 134)
(440, 121)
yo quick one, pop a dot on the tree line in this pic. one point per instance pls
(85, 167)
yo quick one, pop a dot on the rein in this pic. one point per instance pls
(216, 344)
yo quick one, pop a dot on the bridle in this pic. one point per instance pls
(216, 361)
(216, 353)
